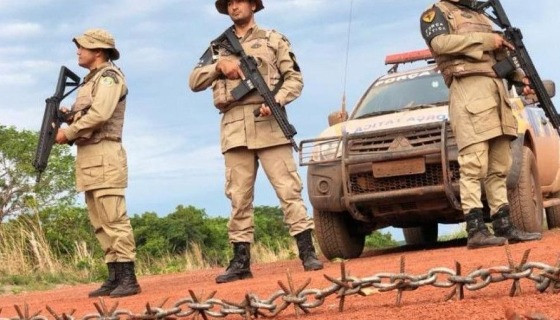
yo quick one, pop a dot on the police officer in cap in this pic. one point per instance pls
(101, 165)
(247, 140)
(466, 48)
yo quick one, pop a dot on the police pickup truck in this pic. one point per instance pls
(393, 162)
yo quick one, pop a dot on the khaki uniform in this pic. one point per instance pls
(246, 139)
(101, 165)
(480, 114)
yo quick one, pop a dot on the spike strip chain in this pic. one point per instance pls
(304, 299)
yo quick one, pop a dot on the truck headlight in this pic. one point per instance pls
(327, 150)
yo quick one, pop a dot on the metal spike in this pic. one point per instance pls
(399, 290)
(292, 291)
(458, 291)
(18, 310)
(114, 308)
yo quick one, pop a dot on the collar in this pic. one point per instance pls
(251, 32)
(93, 72)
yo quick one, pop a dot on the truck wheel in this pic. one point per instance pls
(425, 234)
(526, 204)
(553, 214)
(334, 234)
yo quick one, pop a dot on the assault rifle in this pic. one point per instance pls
(494, 11)
(255, 81)
(52, 119)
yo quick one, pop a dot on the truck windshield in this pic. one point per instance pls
(389, 94)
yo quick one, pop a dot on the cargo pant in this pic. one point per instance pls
(107, 214)
(486, 162)
(280, 168)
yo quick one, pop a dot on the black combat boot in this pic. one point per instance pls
(501, 222)
(127, 280)
(240, 266)
(109, 285)
(478, 234)
(307, 251)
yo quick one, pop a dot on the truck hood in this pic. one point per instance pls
(388, 121)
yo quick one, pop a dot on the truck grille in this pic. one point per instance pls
(361, 183)
(381, 143)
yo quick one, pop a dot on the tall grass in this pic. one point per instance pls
(30, 263)
(24, 249)
(458, 233)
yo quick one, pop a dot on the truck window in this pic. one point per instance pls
(397, 92)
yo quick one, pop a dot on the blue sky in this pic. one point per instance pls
(172, 134)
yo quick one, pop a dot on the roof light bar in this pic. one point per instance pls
(411, 56)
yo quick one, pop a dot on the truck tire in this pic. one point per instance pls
(425, 234)
(526, 203)
(553, 214)
(334, 234)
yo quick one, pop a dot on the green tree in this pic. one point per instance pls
(380, 240)
(175, 232)
(65, 226)
(270, 228)
(18, 191)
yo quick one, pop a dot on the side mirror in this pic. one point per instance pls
(337, 117)
(550, 87)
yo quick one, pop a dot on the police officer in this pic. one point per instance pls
(465, 48)
(101, 166)
(247, 140)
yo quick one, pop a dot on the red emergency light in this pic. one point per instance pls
(411, 56)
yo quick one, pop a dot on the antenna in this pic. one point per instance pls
(343, 106)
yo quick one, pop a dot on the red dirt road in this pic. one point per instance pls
(424, 303)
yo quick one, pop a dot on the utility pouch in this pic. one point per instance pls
(221, 94)
(504, 68)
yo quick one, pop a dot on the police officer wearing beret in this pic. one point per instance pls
(247, 140)
(465, 48)
(101, 165)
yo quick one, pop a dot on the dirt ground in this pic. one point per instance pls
(492, 302)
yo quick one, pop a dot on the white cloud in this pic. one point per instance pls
(148, 57)
(296, 5)
(23, 73)
(129, 9)
(21, 117)
(13, 51)
(16, 79)
(19, 30)
(156, 150)
(12, 4)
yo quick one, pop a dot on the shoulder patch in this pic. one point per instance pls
(433, 23)
(286, 40)
(296, 65)
(277, 35)
(206, 58)
(429, 16)
(109, 78)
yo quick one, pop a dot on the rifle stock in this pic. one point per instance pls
(53, 118)
(494, 10)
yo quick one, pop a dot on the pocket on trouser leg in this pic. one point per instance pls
(93, 211)
(227, 186)
(110, 206)
(117, 226)
(291, 169)
(499, 156)
(295, 212)
(473, 165)
(472, 169)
